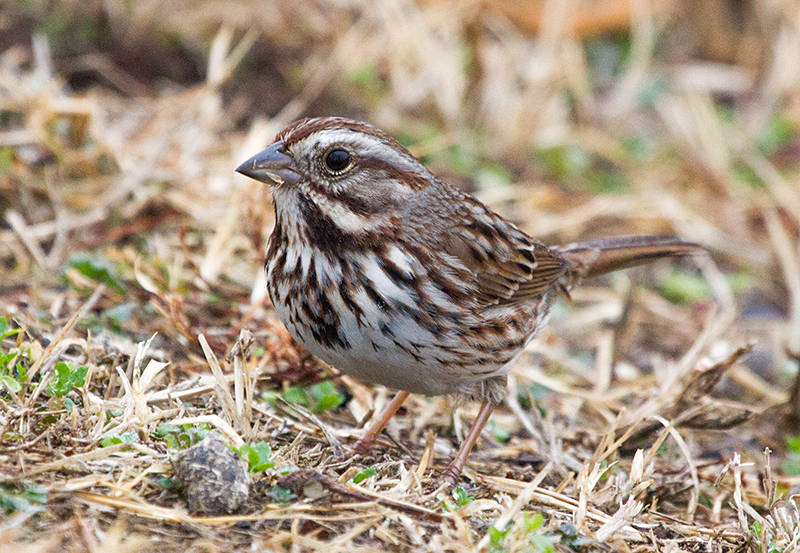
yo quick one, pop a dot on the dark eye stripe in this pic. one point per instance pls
(412, 180)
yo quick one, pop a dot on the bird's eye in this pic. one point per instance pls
(337, 160)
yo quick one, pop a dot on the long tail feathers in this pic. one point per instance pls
(598, 257)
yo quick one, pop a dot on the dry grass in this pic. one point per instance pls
(653, 414)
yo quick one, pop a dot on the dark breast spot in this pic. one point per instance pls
(325, 326)
(376, 297)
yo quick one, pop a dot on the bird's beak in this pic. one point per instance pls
(270, 165)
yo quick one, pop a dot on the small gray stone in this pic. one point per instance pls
(213, 477)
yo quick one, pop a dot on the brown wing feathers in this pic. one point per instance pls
(508, 270)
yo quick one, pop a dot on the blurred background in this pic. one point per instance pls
(121, 124)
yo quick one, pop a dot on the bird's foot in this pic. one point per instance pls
(450, 477)
(364, 445)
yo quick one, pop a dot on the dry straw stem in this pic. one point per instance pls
(327, 431)
(307, 512)
(78, 460)
(37, 365)
(218, 422)
(522, 499)
(222, 388)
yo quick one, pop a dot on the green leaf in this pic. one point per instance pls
(791, 466)
(257, 455)
(607, 57)
(165, 428)
(747, 176)
(270, 396)
(462, 497)
(780, 132)
(533, 521)
(178, 437)
(281, 495)
(369, 81)
(48, 419)
(565, 162)
(66, 377)
(296, 395)
(497, 537)
(167, 483)
(604, 177)
(6, 157)
(286, 469)
(571, 538)
(363, 474)
(641, 148)
(28, 497)
(35, 493)
(325, 396)
(11, 383)
(125, 438)
(542, 543)
(653, 90)
(99, 270)
(682, 287)
(5, 332)
(11, 504)
(500, 434)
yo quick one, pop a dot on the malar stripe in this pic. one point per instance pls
(353, 203)
(329, 237)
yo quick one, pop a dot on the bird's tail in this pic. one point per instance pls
(604, 255)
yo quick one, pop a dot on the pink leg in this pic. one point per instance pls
(364, 445)
(453, 471)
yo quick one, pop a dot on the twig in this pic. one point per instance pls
(296, 480)
(65, 329)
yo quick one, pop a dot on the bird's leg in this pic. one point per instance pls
(453, 470)
(364, 445)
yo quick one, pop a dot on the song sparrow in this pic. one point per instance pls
(395, 277)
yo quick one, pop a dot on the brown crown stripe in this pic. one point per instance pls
(303, 128)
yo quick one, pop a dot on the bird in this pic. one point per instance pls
(395, 277)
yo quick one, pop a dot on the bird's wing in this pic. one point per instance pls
(507, 264)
